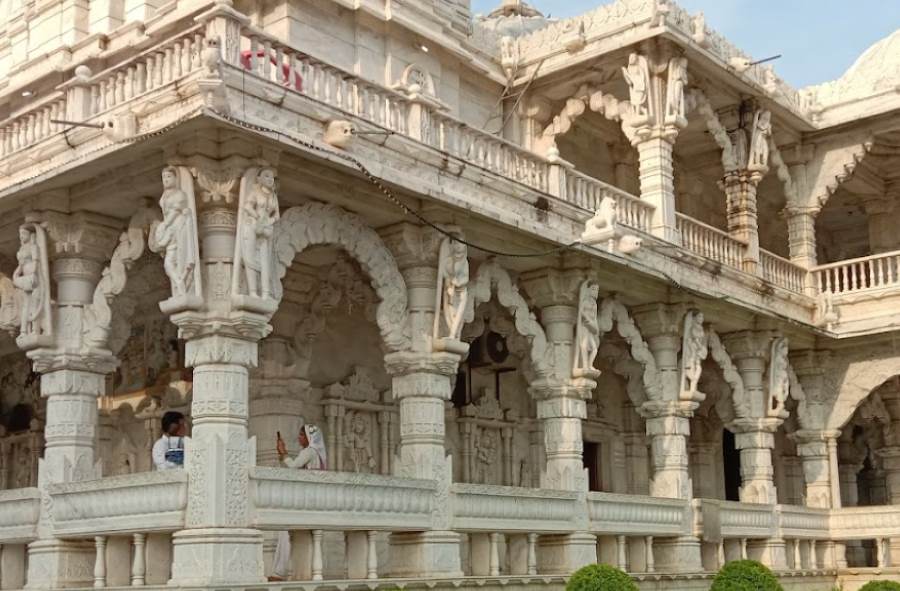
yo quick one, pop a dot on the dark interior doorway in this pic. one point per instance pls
(592, 463)
(731, 458)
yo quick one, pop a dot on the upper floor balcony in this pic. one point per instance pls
(702, 231)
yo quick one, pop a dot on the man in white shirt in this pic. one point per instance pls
(168, 451)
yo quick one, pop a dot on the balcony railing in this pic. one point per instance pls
(782, 272)
(587, 192)
(710, 242)
(416, 116)
(854, 275)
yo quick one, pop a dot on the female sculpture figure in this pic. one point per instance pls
(452, 294)
(312, 456)
(177, 234)
(678, 80)
(694, 349)
(32, 276)
(759, 144)
(637, 75)
(587, 331)
(256, 226)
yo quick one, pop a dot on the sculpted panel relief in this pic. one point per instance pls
(253, 249)
(175, 237)
(32, 278)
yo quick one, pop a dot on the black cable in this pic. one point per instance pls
(389, 195)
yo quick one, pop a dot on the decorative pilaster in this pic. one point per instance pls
(222, 300)
(657, 80)
(422, 382)
(73, 376)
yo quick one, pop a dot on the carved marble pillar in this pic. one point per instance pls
(658, 186)
(73, 376)
(801, 217)
(741, 211)
(422, 382)
(222, 328)
(882, 223)
(561, 407)
(754, 435)
(818, 451)
(668, 426)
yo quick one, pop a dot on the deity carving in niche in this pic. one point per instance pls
(587, 331)
(358, 444)
(694, 350)
(486, 449)
(637, 75)
(257, 214)
(176, 235)
(32, 277)
(452, 292)
(677, 81)
(759, 142)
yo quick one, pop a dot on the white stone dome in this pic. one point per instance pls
(875, 71)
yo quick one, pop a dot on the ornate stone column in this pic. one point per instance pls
(668, 424)
(882, 223)
(72, 250)
(561, 405)
(745, 167)
(761, 359)
(221, 318)
(422, 382)
(657, 79)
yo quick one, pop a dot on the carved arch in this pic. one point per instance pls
(586, 98)
(612, 311)
(714, 126)
(98, 316)
(858, 382)
(314, 224)
(492, 278)
(835, 166)
(733, 378)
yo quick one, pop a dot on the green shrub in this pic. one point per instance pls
(600, 577)
(745, 575)
(881, 586)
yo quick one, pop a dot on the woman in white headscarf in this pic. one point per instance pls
(312, 456)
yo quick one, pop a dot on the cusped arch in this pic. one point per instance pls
(614, 312)
(860, 379)
(721, 357)
(320, 224)
(491, 278)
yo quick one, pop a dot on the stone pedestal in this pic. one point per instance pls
(772, 552)
(678, 555)
(564, 554)
(425, 554)
(54, 564)
(217, 556)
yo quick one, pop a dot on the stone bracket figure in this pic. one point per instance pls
(10, 306)
(676, 84)
(637, 75)
(175, 237)
(587, 332)
(452, 297)
(254, 245)
(694, 350)
(32, 279)
(758, 158)
(779, 378)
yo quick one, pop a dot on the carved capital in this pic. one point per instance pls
(82, 234)
(412, 245)
(46, 360)
(658, 320)
(404, 363)
(219, 349)
(553, 287)
(749, 344)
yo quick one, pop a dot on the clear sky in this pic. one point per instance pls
(818, 39)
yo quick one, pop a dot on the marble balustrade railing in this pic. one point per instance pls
(133, 514)
(146, 502)
(416, 116)
(856, 275)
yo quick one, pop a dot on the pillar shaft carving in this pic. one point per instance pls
(818, 452)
